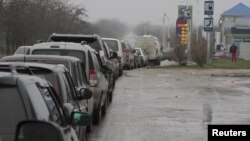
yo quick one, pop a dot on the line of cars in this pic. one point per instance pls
(64, 84)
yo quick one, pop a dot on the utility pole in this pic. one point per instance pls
(189, 33)
(198, 11)
(168, 32)
(164, 31)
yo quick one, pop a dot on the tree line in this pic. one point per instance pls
(23, 22)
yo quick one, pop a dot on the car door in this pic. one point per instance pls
(102, 81)
(57, 114)
(84, 84)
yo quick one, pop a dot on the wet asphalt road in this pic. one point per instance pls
(172, 105)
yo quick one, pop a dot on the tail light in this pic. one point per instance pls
(92, 78)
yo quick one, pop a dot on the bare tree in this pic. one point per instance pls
(25, 21)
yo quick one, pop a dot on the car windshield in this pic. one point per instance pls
(62, 52)
(112, 44)
(11, 109)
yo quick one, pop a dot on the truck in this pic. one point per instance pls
(152, 47)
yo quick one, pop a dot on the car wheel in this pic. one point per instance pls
(97, 115)
(130, 66)
(120, 72)
(81, 134)
(110, 97)
(89, 127)
(104, 107)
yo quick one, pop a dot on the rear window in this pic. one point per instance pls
(92, 41)
(112, 44)
(48, 52)
(18, 69)
(61, 52)
(138, 51)
(11, 108)
(43, 73)
(22, 50)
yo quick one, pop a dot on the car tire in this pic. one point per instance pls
(90, 127)
(81, 134)
(97, 115)
(104, 107)
(110, 97)
(121, 72)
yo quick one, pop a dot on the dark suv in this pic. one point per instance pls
(25, 97)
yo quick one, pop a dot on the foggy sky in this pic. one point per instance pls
(136, 11)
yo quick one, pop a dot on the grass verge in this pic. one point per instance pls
(224, 63)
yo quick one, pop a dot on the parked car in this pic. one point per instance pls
(138, 59)
(113, 60)
(25, 97)
(116, 46)
(75, 67)
(95, 42)
(143, 55)
(60, 78)
(128, 56)
(95, 71)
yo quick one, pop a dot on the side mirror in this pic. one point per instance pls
(38, 131)
(85, 93)
(80, 119)
(113, 55)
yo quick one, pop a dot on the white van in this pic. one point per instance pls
(151, 46)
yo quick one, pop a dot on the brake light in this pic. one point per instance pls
(92, 78)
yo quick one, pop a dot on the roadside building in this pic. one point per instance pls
(234, 27)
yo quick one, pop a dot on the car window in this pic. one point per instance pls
(47, 52)
(62, 52)
(55, 114)
(96, 62)
(81, 69)
(112, 44)
(91, 62)
(123, 47)
(78, 54)
(69, 87)
(44, 74)
(138, 51)
(94, 45)
(106, 52)
(19, 69)
(11, 108)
